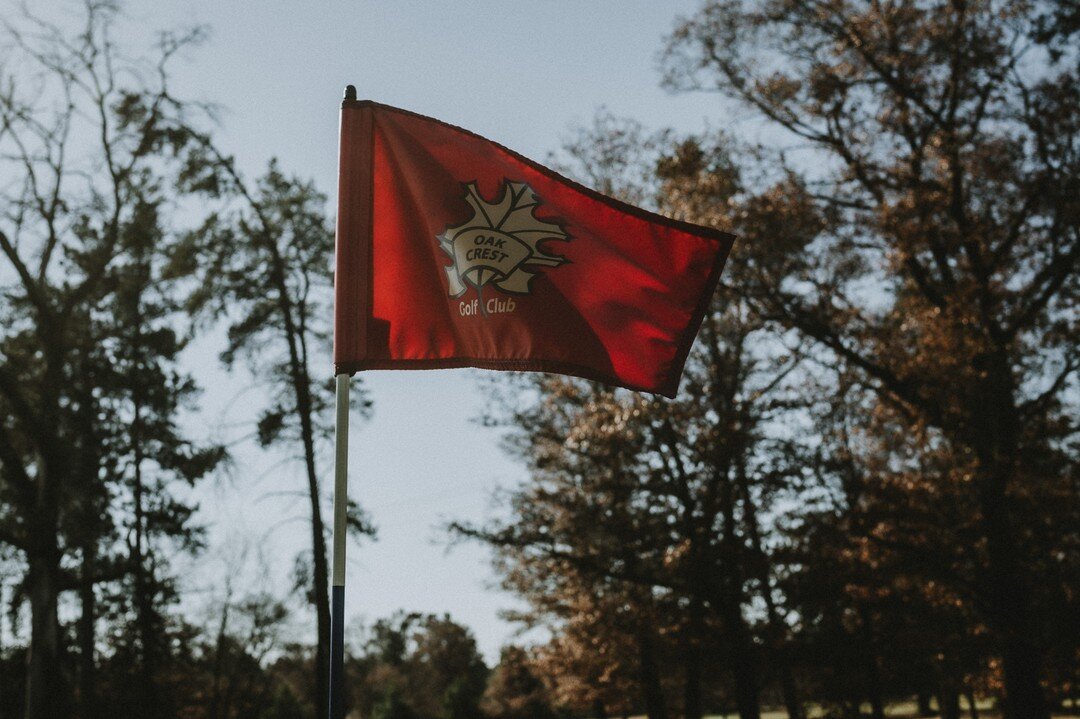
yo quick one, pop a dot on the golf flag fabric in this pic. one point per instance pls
(453, 251)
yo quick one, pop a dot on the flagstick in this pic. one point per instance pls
(341, 500)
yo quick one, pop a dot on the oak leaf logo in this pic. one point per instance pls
(499, 242)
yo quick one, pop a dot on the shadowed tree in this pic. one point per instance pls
(515, 691)
(590, 663)
(660, 502)
(146, 455)
(932, 240)
(447, 669)
(267, 269)
(421, 666)
(90, 139)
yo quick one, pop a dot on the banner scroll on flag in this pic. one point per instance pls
(453, 251)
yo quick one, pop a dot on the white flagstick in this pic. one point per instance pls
(341, 501)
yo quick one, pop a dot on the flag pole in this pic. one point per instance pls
(341, 500)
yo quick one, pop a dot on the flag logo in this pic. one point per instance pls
(500, 244)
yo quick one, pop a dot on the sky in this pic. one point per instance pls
(522, 73)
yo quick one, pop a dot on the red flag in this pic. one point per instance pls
(453, 251)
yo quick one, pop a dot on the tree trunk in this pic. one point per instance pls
(651, 689)
(301, 385)
(319, 563)
(89, 530)
(995, 438)
(743, 666)
(1009, 613)
(949, 702)
(44, 685)
(790, 692)
(218, 670)
(776, 628)
(144, 693)
(692, 659)
(873, 670)
(5, 701)
(87, 705)
(877, 703)
(1023, 691)
(728, 598)
(973, 710)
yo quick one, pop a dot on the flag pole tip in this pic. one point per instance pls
(350, 92)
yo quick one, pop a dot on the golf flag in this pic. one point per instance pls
(453, 251)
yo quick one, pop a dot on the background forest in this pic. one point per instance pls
(864, 500)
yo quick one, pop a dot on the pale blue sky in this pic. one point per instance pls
(521, 73)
